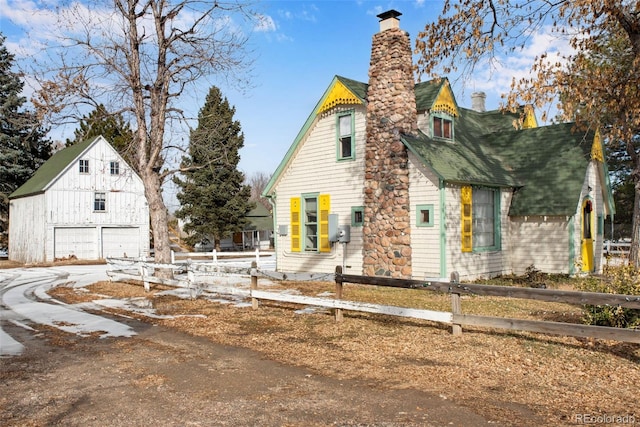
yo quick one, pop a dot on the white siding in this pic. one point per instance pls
(425, 241)
(474, 265)
(542, 242)
(314, 168)
(68, 202)
(27, 230)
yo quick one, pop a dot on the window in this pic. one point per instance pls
(99, 202)
(480, 226)
(114, 168)
(346, 138)
(310, 223)
(442, 127)
(424, 215)
(357, 216)
(84, 166)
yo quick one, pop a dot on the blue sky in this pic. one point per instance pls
(297, 51)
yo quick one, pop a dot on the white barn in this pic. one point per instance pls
(84, 202)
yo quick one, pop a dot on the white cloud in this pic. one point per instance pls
(265, 24)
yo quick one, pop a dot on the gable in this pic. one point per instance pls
(57, 165)
(445, 101)
(338, 94)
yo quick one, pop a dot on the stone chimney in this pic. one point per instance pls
(477, 101)
(391, 112)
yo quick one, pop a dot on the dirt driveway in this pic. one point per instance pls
(163, 377)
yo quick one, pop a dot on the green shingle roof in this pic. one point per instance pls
(546, 165)
(51, 169)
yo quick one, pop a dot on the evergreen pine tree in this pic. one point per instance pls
(23, 146)
(214, 201)
(112, 127)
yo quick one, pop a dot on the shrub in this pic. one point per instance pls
(616, 280)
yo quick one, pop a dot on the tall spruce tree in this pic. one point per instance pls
(112, 126)
(23, 146)
(214, 201)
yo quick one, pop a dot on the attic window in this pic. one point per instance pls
(114, 168)
(346, 139)
(442, 127)
(84, 166)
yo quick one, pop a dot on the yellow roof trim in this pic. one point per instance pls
(338, 95)
(445, 102)
(596, 149)
(529, 120)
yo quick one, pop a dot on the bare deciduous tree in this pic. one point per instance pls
(258, 181)
(140, 58)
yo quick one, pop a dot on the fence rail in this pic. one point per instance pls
(559, 328)
(617, 249)
(456, 318)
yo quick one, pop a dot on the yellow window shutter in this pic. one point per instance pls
(324, 203)
(295, 224)
(465, 226)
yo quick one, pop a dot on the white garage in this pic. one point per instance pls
(81, 242)
(121, 242)
(85, 202)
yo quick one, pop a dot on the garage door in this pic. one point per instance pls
(81, 242)
(121, 242)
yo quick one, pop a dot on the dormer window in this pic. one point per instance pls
(442, 126)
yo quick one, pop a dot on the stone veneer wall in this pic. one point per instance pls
(391, 110)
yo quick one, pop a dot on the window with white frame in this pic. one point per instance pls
(100, 202)
(83, 166)
(114, 168)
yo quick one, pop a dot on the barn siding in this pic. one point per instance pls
(314, 169)
(69, 202)
(27, 235)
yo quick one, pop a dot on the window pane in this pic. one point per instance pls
(345, 125)
(311, 223)
(99, 202)
(424, 216)
(483, 218)
(114, 168)
(437, 126)
(345, 147)
(446, 131)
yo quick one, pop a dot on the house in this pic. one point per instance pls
(84, 202)
(393, 178)
(257, 234)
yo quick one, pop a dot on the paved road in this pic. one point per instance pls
(24, 300)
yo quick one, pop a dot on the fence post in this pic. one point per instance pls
(215, 260)
(143, 271)
(456, 305)
(254, 283)
(173, 257)
(338, 311)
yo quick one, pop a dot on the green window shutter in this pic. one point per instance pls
(466, 217)
(324, 206)
(295, 224)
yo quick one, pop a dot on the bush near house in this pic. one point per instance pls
(616, 280)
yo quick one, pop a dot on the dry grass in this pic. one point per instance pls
(518, 378)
